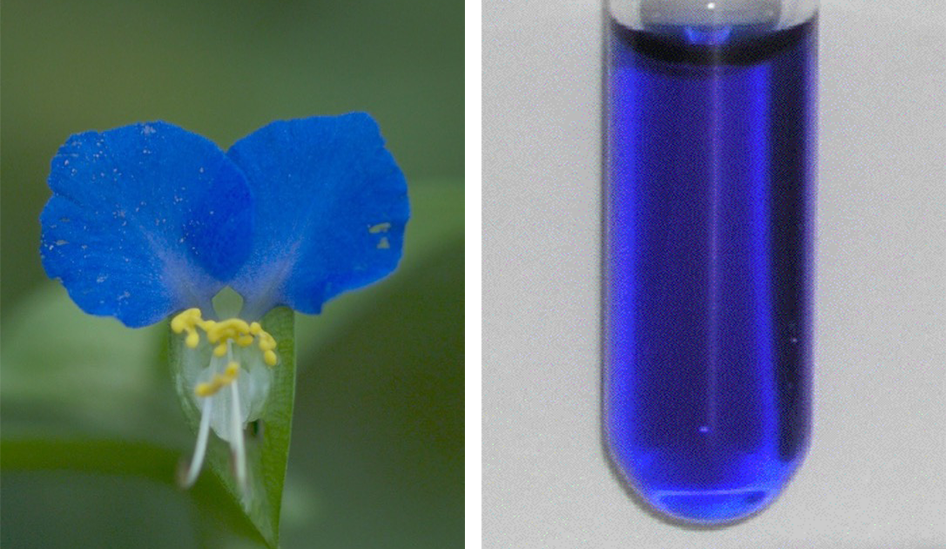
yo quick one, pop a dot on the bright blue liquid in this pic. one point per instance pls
(708, 264)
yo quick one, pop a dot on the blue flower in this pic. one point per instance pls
(149, 220)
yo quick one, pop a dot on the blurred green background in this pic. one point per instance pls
(91, 429)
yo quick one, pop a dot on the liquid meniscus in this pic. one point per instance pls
(708, 258)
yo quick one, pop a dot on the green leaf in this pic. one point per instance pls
(66, 370)
(267, 440)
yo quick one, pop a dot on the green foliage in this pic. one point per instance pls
(62, 366)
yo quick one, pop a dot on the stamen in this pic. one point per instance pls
(186, 322)
(200, 450)
(218, 381)
(236, 436)
(219, 333)
(267, 344)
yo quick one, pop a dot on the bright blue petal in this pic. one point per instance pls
(144, 220)
(331, 206)
(219, 227)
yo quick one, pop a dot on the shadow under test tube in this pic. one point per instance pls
(708, 255)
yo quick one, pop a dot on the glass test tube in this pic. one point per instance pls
(708, 255)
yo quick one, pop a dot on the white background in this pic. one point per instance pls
(876, 472)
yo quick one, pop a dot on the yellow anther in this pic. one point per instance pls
(207, 327)
(178, 323)
(218, 381)
(233, 325)
(187, 322)
(220, 334)
(213, 334)
(208, 389)
(240, 325)
(379, 228)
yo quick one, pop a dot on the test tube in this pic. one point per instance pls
(709, 201)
